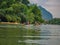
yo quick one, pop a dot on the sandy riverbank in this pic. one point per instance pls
(9, 23)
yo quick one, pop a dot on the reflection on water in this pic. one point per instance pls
(47, 35)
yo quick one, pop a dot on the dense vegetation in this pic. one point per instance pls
(19, 11)
(54, 21)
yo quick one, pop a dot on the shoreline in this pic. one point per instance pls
(17, 23)
(9, 23)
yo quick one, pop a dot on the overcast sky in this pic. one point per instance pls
(51, 5)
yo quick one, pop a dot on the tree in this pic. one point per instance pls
(19, 11)
(11, 9)
(37, 13)
(54, 21)
(29, 17)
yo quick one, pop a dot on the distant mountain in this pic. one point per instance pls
(46, 15)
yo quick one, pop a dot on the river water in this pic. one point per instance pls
(47, 35)
(52, 32)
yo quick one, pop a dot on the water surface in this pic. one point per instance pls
(42, 35)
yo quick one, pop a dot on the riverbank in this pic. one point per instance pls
(9, 23)
(36, 24)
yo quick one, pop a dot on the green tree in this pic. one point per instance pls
(12, 9)
(54, 21)
(37, 13)
(19, 11)
(29, 17)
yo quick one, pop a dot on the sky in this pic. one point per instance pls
(53, 6)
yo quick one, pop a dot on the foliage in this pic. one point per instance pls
(54, 21)
(37, 13)
(19, 11)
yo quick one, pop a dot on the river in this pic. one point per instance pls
(47, 35)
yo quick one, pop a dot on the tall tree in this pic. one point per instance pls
(37, 13)
(19, 10)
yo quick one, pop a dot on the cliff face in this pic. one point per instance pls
(46, 15)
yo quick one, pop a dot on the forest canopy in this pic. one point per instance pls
(19, 11)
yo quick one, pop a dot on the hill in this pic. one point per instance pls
(46, 15)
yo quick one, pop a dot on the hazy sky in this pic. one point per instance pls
(51, 5)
